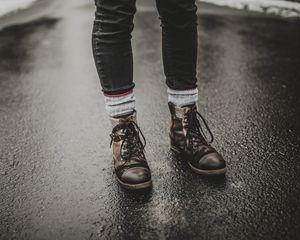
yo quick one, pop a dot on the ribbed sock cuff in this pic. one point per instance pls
(182, 97)
(121, 104)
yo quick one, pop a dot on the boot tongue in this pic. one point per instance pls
(180, 112)
(123, 119)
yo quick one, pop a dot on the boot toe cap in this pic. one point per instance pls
(211, 161)
(136, 175)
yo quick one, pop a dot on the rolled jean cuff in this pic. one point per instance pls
(119, 90)
(182, 83)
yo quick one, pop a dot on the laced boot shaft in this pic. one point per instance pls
(130, 162)
(188, 138)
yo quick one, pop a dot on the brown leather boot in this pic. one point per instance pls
(130, 163)
(187, 138)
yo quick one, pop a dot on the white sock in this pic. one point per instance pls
(121, 104)
(182, 97)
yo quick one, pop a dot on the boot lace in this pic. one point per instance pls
(195, 133)
(132, 145)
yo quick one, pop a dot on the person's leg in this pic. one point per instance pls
(179, 39)
(179, 44)
(111, 40)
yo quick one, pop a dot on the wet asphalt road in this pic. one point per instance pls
(56, 173)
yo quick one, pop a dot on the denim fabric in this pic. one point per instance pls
(111, 40)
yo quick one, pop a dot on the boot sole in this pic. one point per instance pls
(208, 172)
(201, 171)
(135, 186)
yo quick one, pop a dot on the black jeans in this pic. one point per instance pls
(111, 40)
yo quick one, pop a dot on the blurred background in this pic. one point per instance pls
(56, 172)
(288, 8)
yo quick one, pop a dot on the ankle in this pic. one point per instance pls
(123, 119)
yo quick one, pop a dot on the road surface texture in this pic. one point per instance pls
(56, 179)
